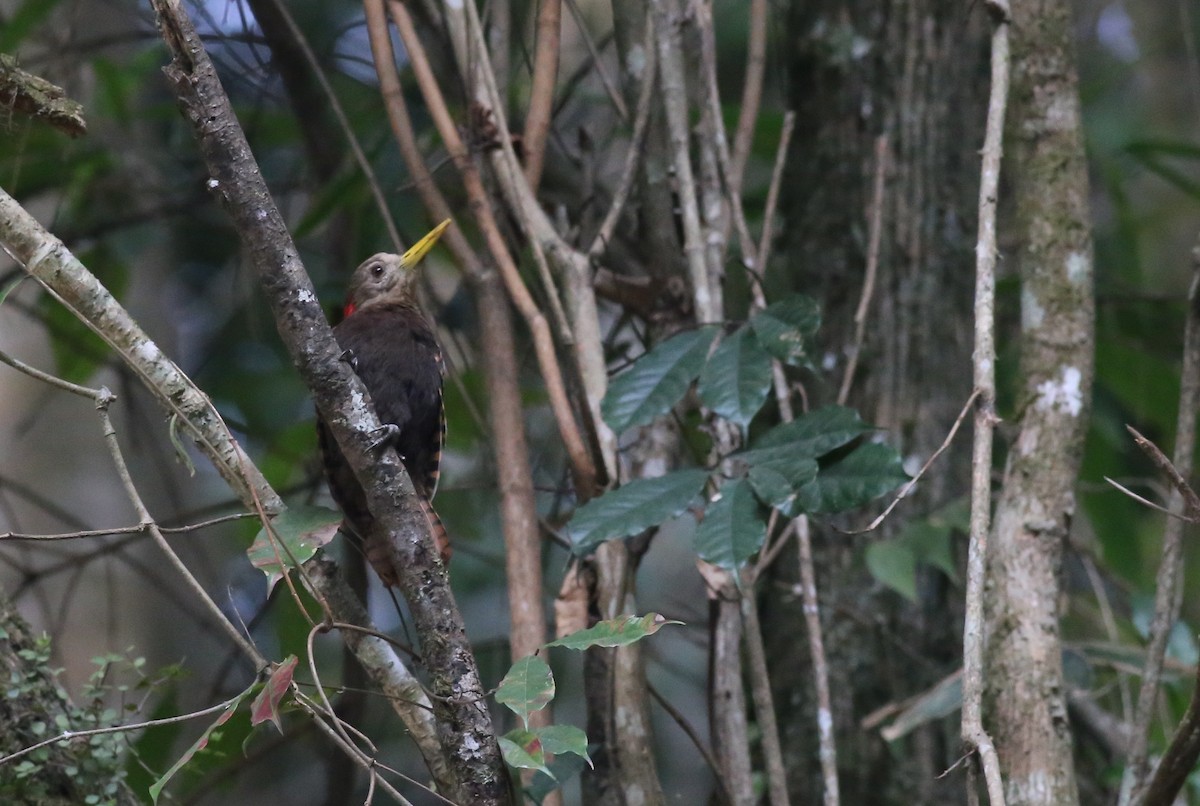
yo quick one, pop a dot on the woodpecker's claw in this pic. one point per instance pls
(350, 358)
(387, 435)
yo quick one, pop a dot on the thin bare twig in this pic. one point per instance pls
(128, 530)
(756, 63)
(103, 399)
(671, 79)
(582, 465)
(764, 705)
(1184, 748)
(541, 92)
(466, 36)
(679, 719)
(767, 237)
(633, 155)
(868, 289)
(364, 165)
(1147, 502)
(816, 648)
(606, 81)
(1110, 629)
(1170, 469)
(70, 735)
(984, 361)
(907, 488)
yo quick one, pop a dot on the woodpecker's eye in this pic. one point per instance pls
(377, 270)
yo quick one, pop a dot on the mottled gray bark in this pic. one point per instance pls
(1024, 698)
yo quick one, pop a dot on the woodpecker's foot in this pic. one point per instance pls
(385, 436)
(350, 358)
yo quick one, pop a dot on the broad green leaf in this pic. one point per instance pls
(732, 530)
(893, 563)
(737, 378)
(266, 704)
(619, 631)
(559, 739)
(816, 433)
(657, 380)
(865, 473)
(627, 510)
(523, 749)
(230, 709)
(930, 538)
(772, 487)
(300, 531)
(563, 768)
(528, 687)
(786, 328)
(793, 466)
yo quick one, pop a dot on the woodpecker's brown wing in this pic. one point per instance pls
(397, 357)
(399, 361)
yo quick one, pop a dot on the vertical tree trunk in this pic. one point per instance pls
(1025, 701)
(915, 72)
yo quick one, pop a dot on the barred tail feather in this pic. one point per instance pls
(376, 548)
(441, 538)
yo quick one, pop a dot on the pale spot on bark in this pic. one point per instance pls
(1062, 395)
(147, 351)
(635, 61)
(1032, 312)
(1078, 267)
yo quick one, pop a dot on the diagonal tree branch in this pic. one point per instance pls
(464, 725)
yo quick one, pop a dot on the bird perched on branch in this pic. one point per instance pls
(393, 349)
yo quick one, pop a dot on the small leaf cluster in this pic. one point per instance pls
(820, 463)
(93, 775)
(529, 687)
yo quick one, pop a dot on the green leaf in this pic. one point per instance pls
(300, 531)
(864, 473)
(528, 687)
(523, 749)
(930, 538)
(816, 433)
(771, 486)
(893, 563)
(266, 704)
(563, 768)
(559, 739)
(732, 530)
(627, 510)
(737, 378)
(657, 380)
(619, 631)
(786, 328)
(770, 465)
(230, 709)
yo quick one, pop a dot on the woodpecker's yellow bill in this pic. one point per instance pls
(421, 248)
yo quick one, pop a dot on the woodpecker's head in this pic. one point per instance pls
(385, 276)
